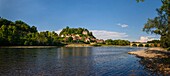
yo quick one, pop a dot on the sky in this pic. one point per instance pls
(107, 19)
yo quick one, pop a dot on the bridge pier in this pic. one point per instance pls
(137, 44)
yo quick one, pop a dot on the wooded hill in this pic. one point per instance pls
(20, 33)
(77, 35)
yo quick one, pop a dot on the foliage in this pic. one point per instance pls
(140, 45)
(139, 0)
(20, 33)
(109, 42)
(161, 24)
(117, 42)
(79, 31)
(154, 41)
(168, 49)
(147, 45)
(70, 39)
(155, 45)
(77, 35)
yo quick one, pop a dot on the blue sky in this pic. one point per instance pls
(115, 19)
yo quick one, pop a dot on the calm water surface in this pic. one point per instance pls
(75, 61)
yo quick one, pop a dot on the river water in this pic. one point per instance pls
(72, 61)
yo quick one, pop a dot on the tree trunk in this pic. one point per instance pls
(168, 12)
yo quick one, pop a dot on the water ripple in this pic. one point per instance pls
(75, 61)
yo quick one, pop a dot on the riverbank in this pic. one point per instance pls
(151, 53)
(155, 59)
(65, 45)
(91, 45)
(78, 45)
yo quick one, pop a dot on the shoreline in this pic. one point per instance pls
(154, 59)
(154, 52)
(29, 47)
(68, 45)
(78, 45)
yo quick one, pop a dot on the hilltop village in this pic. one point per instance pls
(79, 35)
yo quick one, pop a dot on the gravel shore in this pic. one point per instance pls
(154, 59)
(151, 53)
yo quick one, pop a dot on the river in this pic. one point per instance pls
(72, 61)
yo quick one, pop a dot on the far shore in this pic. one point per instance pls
(78, 45)
(91, 45)
(68, 45)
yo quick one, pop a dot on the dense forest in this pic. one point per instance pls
(20, 33)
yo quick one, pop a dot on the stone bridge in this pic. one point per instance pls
(144, 44)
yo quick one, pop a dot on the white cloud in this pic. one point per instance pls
(122, 25)
(103, 34)
(147, 38)
(58, 31)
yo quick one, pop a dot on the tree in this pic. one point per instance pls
(161, 24)
(4, 22)
(4, 35)
(109, 42)
(154, 41)
(117, 42)
(70, 39)
(140, 0)
(20, 33)
(33, 29)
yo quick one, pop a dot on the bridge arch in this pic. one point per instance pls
(144, 44)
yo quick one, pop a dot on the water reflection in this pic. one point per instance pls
(43, 61)
(74, 51)
(76, 61)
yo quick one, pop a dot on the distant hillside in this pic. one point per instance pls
(78, 35)
(79, 31)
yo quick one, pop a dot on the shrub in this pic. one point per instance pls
(147, 45)
(140, 45)
(155, 45)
